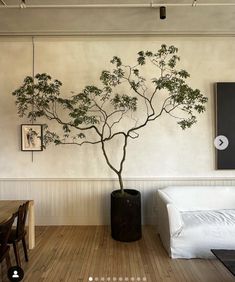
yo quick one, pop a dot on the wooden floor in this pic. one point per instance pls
(79, 253)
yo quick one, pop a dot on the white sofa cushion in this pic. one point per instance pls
(203, 231)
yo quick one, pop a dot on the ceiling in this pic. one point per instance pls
(208, 17)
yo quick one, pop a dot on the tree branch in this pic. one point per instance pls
(106, 157)
(124, 153)
(80, 144)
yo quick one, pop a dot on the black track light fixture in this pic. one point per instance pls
(162, 12)
(22, 4)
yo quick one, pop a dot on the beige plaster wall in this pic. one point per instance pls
(163, 149)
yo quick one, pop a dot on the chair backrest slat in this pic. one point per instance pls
(21, 219)
(5, 230)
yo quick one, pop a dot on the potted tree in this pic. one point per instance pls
(126, 102)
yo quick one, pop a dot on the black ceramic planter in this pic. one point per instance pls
(126, 215)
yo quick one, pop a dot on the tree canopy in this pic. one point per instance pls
(98, 114)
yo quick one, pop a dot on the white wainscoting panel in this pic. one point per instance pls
(87, 201)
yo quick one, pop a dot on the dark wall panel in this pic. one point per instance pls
(225, 123)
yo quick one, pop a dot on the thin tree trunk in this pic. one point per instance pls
(118, 172)
(121, 183)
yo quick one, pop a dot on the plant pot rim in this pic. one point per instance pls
(128, 193)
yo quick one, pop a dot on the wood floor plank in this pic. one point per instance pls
(75, 253)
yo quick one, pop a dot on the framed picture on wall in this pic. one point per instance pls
(31, 137)
(225, 124)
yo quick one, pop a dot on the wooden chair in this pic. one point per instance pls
(5, 230)
(18, 234)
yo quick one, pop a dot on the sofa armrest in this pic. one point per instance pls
(173, 215)
(163, 221)
(169, 219)
(175, 220)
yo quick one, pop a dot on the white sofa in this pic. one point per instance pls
(192, 220)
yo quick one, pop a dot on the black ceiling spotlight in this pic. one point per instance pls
(194, 4)
(22, 4)
(162, 12)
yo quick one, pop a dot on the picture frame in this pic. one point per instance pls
(31, 137)
(224, 125)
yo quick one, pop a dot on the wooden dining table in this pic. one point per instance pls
(8, 207)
